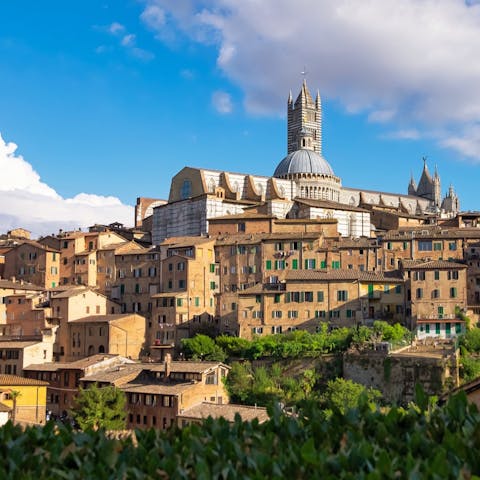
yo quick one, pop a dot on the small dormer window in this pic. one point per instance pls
(186, 191)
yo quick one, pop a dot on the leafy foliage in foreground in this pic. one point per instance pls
(363, 444)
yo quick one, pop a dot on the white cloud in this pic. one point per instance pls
(28, 202)
(405, 134)
(153, 16)
(412, 62)
(222, 102)
(128, 40)
(467, 142)
(116, 28)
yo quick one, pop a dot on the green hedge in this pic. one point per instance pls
(417, 443)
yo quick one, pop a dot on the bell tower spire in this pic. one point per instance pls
(304, 121)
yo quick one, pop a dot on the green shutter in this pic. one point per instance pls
(319, 296)
(437, 328)
(295, 264)
(458, 328)
(197, 301)
(288, 297)
(323, 264)
(268, 264)
(212, 268)
(427, 328)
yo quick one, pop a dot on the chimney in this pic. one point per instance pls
(168, 364)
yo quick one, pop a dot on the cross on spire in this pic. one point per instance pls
(304, 72)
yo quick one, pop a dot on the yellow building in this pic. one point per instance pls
(28, 396)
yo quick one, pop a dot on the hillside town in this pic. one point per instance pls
(237, 255)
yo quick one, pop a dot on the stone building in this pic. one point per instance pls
(302, 185)
(307, 298)
(437, 293)
(33, 262)
(158, 393)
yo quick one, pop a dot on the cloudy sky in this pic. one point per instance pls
(104, 101)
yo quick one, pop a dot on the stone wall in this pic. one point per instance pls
(395, 374)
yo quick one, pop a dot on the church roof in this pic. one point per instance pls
(303, 161)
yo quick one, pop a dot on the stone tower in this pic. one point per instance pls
(304, 122)
(437, 191)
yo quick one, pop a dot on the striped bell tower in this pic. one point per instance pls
(304, 122)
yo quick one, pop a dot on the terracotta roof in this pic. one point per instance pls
(7, 284)
(431, 264)
(75, 365)
(117, 375)
(344, 274)
(74, 291)
(428, 232)
(111, 317)
(329, 205)
(157, 388)
(227, 411)
(185, 367)
(16, 344)
(168, 294)
(255, 238)
(179, 242)
(15, 380)
(242, 216)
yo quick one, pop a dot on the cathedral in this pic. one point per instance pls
(303, 185)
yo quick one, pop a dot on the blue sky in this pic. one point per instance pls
(107, 100)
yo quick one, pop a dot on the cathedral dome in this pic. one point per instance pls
(303, 161)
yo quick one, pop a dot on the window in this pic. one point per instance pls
(257, 330)
(276, 314)
(179, 302)
(452, 275)
(453, 292)
(437, 246)
(293, 314)
(310, 264)
(181, 266)
(419, 292)
(342, 295)
(320, 314)
(197, 301)
(386, 289)
(170, 267)
(278, 246)
(436, 275)
(295, 264)
(258, 298)
(268, 265)
(241, 226)
(323, 264)
(212, 268)
(277, 298)
(213, 285)
(181, 283)
(452, 246)
(279, 264)
(436, 293)
(398, 289)
(186, 190)
(309, 296)
(437, 328)
(425, 245)
(350, 313)
(257, 314)
(320, 297)
(336, 264)
(419, 275)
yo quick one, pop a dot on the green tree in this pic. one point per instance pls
(14, 394)
(97, 407)
(343, 395)
(471, 340)
(201, 347)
